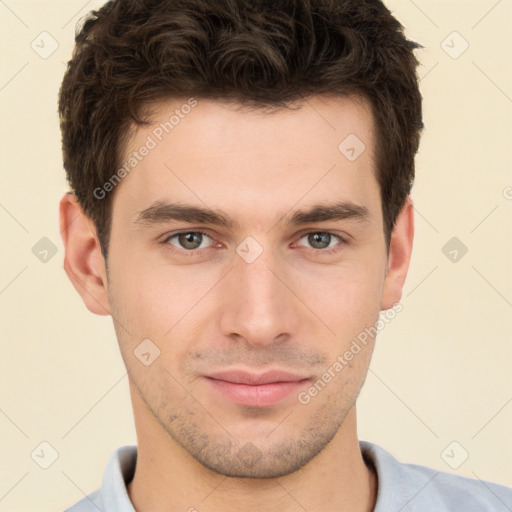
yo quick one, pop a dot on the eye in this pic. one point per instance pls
(192, 241)
(188, 240)
(321, 240)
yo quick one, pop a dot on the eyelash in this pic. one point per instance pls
(193, 252)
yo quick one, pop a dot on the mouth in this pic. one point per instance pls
(256, 389)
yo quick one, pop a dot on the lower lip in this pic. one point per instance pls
(262, 395)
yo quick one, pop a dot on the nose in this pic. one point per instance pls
(258, 305)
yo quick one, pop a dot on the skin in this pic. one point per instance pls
(294, 308)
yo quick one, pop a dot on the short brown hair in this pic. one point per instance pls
(131, 53)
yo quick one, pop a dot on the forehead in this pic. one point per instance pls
(226, 156)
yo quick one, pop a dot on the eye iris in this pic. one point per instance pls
(319, 240)
(190, 240)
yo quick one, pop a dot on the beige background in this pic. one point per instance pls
(441, 370)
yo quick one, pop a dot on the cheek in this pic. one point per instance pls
(154, 292)
(345, 298)
(159, 303)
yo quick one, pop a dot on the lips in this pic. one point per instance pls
(256, 390)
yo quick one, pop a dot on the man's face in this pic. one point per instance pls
(248, 314)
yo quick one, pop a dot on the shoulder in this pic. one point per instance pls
(91, 503)
(415, 488)
(113, 494)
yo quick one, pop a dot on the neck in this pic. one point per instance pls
(168, 479)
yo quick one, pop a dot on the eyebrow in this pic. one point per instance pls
(160, 212)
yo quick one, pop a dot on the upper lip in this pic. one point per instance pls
(254, 379)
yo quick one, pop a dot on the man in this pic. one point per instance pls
(241, 175)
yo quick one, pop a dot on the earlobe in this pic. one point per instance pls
(400, 251)
(83, 261)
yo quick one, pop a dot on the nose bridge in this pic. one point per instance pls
(260, 307)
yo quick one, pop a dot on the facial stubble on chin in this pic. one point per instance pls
(209, 441)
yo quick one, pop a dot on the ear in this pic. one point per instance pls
(399, 256)
(83, 262)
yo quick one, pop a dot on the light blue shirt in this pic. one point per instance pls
(401, 487)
